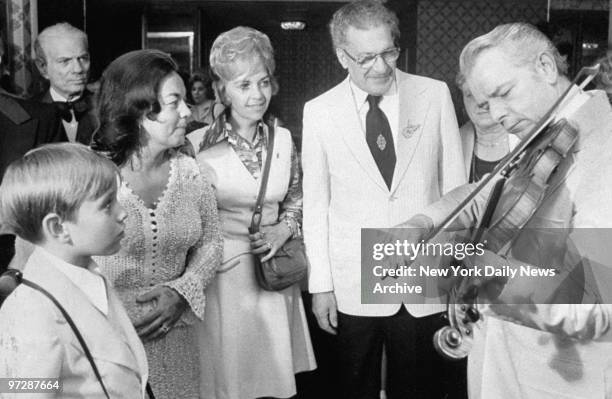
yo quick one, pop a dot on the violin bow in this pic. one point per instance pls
(509, 161)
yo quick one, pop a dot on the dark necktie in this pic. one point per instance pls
(380, 139)
(79, 107)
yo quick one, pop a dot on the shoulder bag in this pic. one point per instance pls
(289, 265)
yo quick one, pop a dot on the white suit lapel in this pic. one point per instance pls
(353, 134)
(101, 339)
(413, 109)
(133, 340)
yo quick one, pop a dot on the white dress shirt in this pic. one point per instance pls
(69, 127)
(389, 104)
(88, 280)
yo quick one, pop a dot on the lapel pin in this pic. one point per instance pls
(410, 129)
(381, 142)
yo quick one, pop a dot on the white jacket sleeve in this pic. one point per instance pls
(316, 188)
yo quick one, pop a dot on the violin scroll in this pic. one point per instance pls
(449, 342)
(455, 340)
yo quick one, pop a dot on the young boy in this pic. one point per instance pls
(62, 198)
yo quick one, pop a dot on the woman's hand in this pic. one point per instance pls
(168, 308)
(269, 239)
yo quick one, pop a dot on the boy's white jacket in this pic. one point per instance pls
(37, 342)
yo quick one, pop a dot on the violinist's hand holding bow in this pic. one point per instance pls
(414, 230)
(419, 225)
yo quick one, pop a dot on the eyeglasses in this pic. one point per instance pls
(367, 61)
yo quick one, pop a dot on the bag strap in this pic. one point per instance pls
(78, 335)
(74, 329)
(256, 218)
(211, 110)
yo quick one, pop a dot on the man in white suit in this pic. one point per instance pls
(376, 148)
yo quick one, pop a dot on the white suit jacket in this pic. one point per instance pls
(344, 190)
(37, 342)
(541, 351)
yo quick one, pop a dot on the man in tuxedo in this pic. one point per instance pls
(376, 148)
(62, 56)
(23, 125)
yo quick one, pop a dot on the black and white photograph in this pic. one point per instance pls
(296, 199)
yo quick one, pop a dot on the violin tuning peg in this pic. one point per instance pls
(473, 315)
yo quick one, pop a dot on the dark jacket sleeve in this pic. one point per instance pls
(48, 122)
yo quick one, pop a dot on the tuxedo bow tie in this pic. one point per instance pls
(79, 107)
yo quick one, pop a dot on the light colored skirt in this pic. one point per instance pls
(252, 341)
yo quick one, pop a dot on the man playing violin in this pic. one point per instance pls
(540, 337)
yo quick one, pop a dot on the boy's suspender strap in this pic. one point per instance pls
(74, 329)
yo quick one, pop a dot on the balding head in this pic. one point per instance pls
(62, 56)
(522, 42)
(515, 73)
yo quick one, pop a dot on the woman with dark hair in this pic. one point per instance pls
(201, 102)
(172, 245)
(205, 107)
(252, 341)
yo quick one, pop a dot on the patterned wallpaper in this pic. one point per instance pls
(306, 67)
(306, 63)
(446, 26)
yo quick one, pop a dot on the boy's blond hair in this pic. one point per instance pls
(55, 178)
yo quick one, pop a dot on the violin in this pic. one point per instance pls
(523, 178)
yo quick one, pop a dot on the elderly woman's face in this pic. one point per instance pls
(168, 128)
(478, 115)
(249, 92)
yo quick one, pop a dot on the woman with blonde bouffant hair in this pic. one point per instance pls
(252, 341)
